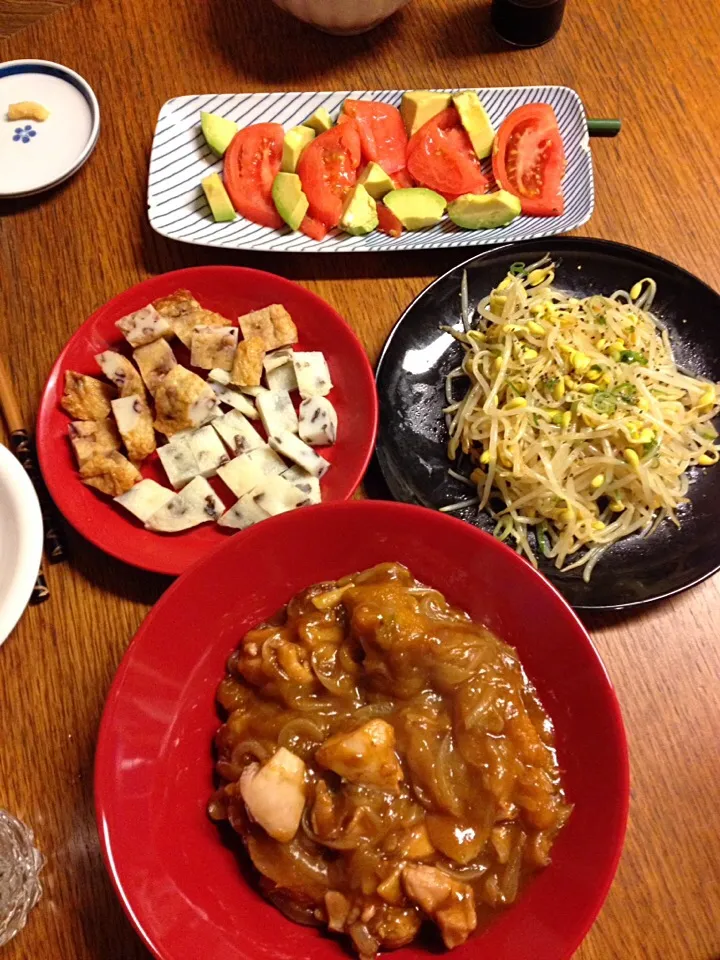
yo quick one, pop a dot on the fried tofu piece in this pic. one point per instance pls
(272, 324)
(110, 473)
(155, 360)
(184, 313)
(91, 437)
(121, 373)
(213, 347)
(183, 400)
(247, 365)
(135, 423)
(144, 326)
(86, 398)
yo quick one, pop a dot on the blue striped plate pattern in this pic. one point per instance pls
(180, 158)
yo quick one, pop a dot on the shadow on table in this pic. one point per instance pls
(275, 48)
(464, 32)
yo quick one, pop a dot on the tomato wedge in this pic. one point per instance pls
(529, 160)
(387, 221)
(401, 179)
(313, 229)
(382, 133)
(441, 157)
(328, 169)
(251, 163)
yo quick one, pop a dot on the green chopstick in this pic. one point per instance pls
(603, 128)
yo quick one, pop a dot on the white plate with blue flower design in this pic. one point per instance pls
(36, 155)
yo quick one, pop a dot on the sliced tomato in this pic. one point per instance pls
(328, 169)
(382, 133)
(252, 162)
(313, 229)
(440, 156)
(387, 221)
(529, 159)
(402, 179)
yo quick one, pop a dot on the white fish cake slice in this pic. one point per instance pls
(135, 423)
(155, 361)
(238, 433)
(179, 462)
(277, 412)
(230, 397)
(300, 453)
(243, 514)
(244, 473)
(90, 438)
(121, 373)
(144, 326)
(213, 347)
(253, 392)
(197, 503)
(277, 358)
(276, 495)
(219, 376)
(208, 450)
(183, 400)
(318, 422)
(312, 373)
(145, 499)
(307, 485)
(282, 377)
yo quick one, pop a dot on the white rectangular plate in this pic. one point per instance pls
(180, 158)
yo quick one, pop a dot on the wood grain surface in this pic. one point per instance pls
(65, 253)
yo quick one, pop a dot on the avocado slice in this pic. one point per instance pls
(419, 106)
(296, 139)
(416, 207)
(320, 121)
(360, 213)
(217, 196)
(289, 199)
(376, 181)
(218, 131)
(476, 122)
(484, 211)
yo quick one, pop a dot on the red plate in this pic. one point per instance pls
(183, 889)
(230, 291)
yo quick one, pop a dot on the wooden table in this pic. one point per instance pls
(64, 254)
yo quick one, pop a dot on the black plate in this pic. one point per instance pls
(412, 440)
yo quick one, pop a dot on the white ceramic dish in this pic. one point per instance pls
(21, 540)
(180, 158)
(342, 17)
(35, 156)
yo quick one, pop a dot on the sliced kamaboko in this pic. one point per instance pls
(312, 373)
(308, 485)
(155, 361)
(277, 358)
(208, 450)
(276, 495)
(277, 412)
(300, 453)
(145, 499)
(219, 376)
(232, 397)
(179, 462)
(274, 794)
(213, 347)
(183, 400)
(282, 377)
(197, 503)
(318, 422)
(238, 433)
(243, 514)
(144, 326)
(90, 438)
(135, 423)
(121, 372)
(245, 473)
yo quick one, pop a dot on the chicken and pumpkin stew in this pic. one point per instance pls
(385, 761)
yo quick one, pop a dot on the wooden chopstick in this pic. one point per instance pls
(22, 446)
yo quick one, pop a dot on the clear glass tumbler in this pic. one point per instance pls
(20, 864)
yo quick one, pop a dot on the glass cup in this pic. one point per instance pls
(527, 23)
(20, 864)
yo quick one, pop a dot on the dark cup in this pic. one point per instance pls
(527, 23)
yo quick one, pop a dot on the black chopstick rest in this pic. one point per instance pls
(22, 447)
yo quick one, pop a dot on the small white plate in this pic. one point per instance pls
(21, 540)
(35, 156)
(180, 159)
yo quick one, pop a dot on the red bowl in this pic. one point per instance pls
(230, 291)
(182, 888)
